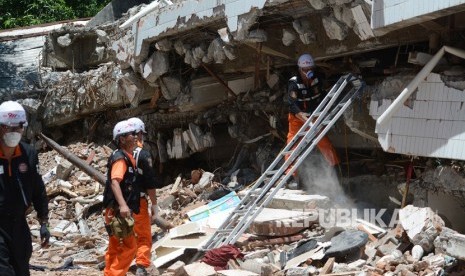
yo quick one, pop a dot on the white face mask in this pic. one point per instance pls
(12, 139)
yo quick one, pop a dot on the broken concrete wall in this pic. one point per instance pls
(76, 49)
(161, 67)
(390, 15)
(19, 61)
(431, 126)
(73, 95)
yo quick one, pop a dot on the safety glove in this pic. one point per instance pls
(44, 235)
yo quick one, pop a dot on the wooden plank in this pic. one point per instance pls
(328, 267)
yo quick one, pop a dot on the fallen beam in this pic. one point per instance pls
(78, 162)
(98, 176)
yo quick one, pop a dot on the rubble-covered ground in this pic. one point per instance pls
(285, 239)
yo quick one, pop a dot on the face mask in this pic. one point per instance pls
(12, 139)
(309, 74)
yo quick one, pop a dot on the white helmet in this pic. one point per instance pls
(139, 124)
(123, 127)
(12, 114)
(305, 60)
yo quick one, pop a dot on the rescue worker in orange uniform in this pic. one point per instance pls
(20, 187)
(305, 93)
(146, 179)
(121, 198)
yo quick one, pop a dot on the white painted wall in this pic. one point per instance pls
(172, 16)
(402, 13)
(435, 127)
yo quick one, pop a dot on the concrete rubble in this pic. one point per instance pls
(285, 239)
(209, 81)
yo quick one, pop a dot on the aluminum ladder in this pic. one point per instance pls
(276, 175)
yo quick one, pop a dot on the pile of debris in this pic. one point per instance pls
(76, 224)
(289, 237)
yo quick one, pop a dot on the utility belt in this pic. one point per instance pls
(117, 226)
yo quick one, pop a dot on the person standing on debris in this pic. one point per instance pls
(305, 93)
(20, 186)
(121, 199)
(147, 180)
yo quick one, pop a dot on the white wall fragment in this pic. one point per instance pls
(317, 4)
(303, 28)
(190, 59)
(178, 148)
(215, 51)
(170, 87)
(422, 225)
(225, 35)
(102, 36)
(199, 52)
(189, 141)
(179, 47)
(288, 37)
(155, 66)
(345, 14)
(334, 28)
(129, 89)
(362, 25)
(124, 49)
(64, 40)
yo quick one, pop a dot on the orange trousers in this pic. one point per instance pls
(142, 227)
(325, 146)
(120, 252)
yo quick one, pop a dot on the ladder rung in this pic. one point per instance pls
(301, 133)
(221, 231)
(331, 94)
(271, 172)
(240, 211)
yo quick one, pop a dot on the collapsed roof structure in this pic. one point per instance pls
(209, 79)
(213, 74)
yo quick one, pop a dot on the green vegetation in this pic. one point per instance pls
(19, 13)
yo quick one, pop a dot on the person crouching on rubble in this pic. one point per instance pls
(20, 185)
(121, 199)
(305, 93)
(147, 180)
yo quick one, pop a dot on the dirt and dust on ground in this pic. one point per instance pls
(291, 236)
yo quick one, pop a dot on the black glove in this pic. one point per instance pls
(44, 234)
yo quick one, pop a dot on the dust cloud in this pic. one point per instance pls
(316, 176)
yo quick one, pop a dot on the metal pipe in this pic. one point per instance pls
(413, 85)
(98, 176)
(149, 8)
(78, 162)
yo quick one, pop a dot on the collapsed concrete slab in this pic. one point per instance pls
(451, 243)
(422, 225)
(296, 200)
(280, 222)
